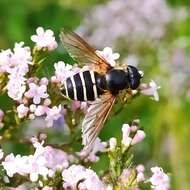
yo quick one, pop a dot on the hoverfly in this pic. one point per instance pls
(100, 84)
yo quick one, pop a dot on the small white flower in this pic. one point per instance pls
(36, 92)
(150, 90)
(139, 136)
(98, 146)
(22, 110)
(5, 59)
(78, 177)
(112, 143)
(22, 55)
(159, 180)
(16, 89)
(126, 140)
(62, 71)
(47, 188)
(40, 110)
(108, 55)
(44, 39)
(53, 114)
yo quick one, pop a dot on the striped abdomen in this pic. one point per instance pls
(83, 86)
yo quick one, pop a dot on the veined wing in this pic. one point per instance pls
(83, 52)
(95, 118)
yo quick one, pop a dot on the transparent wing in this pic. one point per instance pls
(95, 118)
(83, 52)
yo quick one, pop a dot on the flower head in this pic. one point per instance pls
(62, 71)
(159, 180)
(36, 92)
(44, 39)
(5, 60)
(78, 177)
(108, 55)
(150, 90)
(53, 114)
(22, 110)
(98, 146)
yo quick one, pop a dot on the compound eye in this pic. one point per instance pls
(134, 77)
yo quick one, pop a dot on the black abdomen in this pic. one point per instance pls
(83, 86)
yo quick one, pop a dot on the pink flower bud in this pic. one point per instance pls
(32, 107)
(140, 177)
(47, 102)
(44, 81)
(139, 136)
(140, 168)
(112, 143)
(40, 110)
(22, 110)
(126, 140)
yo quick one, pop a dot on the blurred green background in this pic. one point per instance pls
(165, 59)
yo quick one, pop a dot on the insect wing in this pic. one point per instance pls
(83, 52)
(95, 118)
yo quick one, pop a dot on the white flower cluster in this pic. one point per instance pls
(44, 162)
(150, 89)
(159, 180)
(16, 65)
(108, 55)
(78, 177)
(41, 104)
(127, 138)
(44, 39)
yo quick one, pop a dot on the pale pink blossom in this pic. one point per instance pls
(79, 105)
(125, 175)
(57, 159)
(78, 177)
(40, 110)
(159, 180)
(126, 139)
(16, 89)
(75, 105)
(53, 114)
(140, 168)
(139, 136)
(43, 162)
(22, 55)
(5, 60)
(44, 81)
(62, 71)
(112, 144)
(98, 146)
(22, 110)
(47, 188)
(140, 173)
(47, 102)
(140, 177)
(37, 92)
(32, 107)
(108, 55)
(44, 39)
(150, 89)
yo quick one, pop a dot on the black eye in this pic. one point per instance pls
(134, 77)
